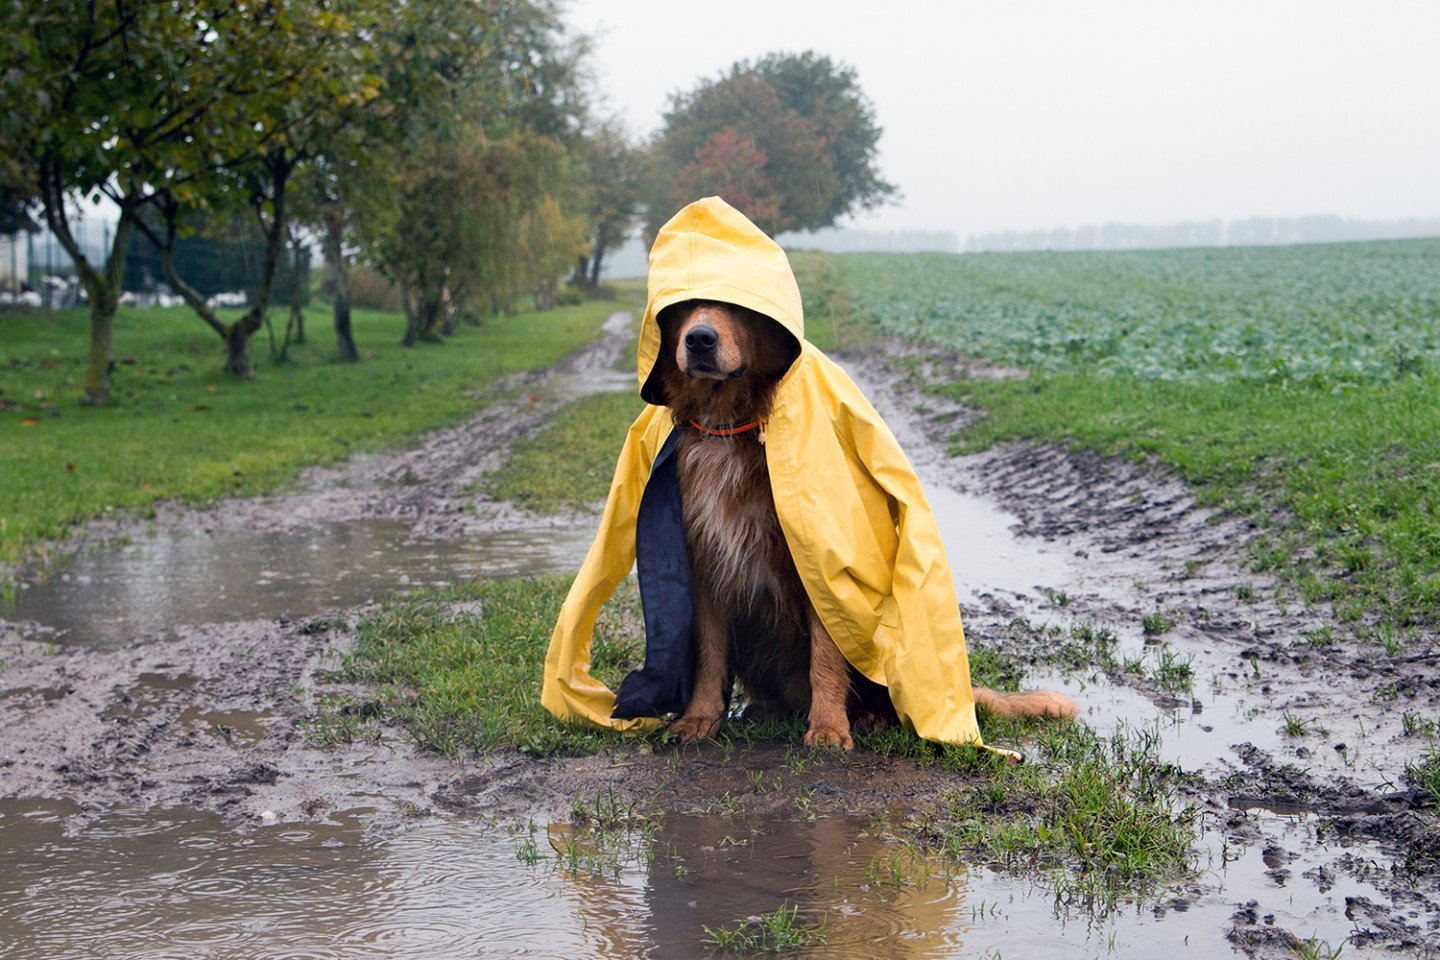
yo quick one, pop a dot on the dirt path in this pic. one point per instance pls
(211, 715)
(214, 716)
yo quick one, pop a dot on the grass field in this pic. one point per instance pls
(1300, 385)
(180, 428)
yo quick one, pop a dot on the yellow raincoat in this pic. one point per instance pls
(859, 527)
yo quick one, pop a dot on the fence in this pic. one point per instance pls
(36, 271)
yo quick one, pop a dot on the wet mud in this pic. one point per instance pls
(180, 724)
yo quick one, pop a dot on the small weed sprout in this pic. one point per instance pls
(527, 851)
(1313, 949)
(1156, 623)
(1296, 727)
(1173, 673)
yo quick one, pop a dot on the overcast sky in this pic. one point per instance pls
(1018, 115)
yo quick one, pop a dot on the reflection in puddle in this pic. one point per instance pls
(985, 554)
(182, 884)
(239, 728)
(108, 597)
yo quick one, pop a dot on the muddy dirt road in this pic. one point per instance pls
(141, 713)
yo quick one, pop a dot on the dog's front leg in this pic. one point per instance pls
(829, 691)
(707, 703)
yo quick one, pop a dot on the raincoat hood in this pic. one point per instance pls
(855, 518)
(711, 251)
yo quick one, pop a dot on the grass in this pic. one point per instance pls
(767, 933)
(829, 322)
(1424, 774)
(1101, 814)
(469, 682)
(1296, 385)
(569, 463)
(1156, 623)
(178, 428)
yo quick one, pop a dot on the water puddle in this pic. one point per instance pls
(109, 597)
(239, 728)
(183, 884)
(985, 554)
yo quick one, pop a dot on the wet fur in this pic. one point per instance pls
(753, 620)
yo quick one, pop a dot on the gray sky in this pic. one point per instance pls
(1020, 115)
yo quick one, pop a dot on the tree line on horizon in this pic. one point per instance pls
(1249, 231)
(453, 147)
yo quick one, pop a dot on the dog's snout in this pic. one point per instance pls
(701, 339)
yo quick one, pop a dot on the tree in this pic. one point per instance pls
(443, 219)
(792, 138)
(90, 109)
(308, 81)
(431, 56)
(550, 241)
(612, 170)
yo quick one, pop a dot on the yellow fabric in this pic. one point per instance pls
(859, 527)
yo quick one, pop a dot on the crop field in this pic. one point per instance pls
(1300, 385)
(1318, 315)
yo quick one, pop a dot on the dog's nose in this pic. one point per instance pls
(701, 339)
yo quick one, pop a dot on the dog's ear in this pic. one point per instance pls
(774, 349)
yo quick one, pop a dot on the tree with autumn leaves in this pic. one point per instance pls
(790, 140)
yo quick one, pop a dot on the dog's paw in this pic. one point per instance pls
(690, 729)
(824, 735)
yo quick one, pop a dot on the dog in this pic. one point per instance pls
(753, 619)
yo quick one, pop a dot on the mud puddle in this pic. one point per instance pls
(178, 883)
(108, 597)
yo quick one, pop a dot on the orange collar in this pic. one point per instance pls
(726, 431)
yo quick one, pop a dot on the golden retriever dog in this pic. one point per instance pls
(753, 619)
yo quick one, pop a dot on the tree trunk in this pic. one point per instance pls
(595, 259)
(237, 347)
(339, 272)
(104, 301)
(430, 309)
(102, 287)
(297, 310)
(582, 268)
(413, 326)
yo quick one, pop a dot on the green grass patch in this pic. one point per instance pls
(1296, 385)
(1424, 774)
(460, 668)
(829, 322)
(1101, 814)
(775, 932)
(569, 463)
(179, 428)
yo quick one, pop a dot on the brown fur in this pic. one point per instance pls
(719, 365)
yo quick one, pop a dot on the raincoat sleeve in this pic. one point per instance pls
(570, 693)
(926, 666)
